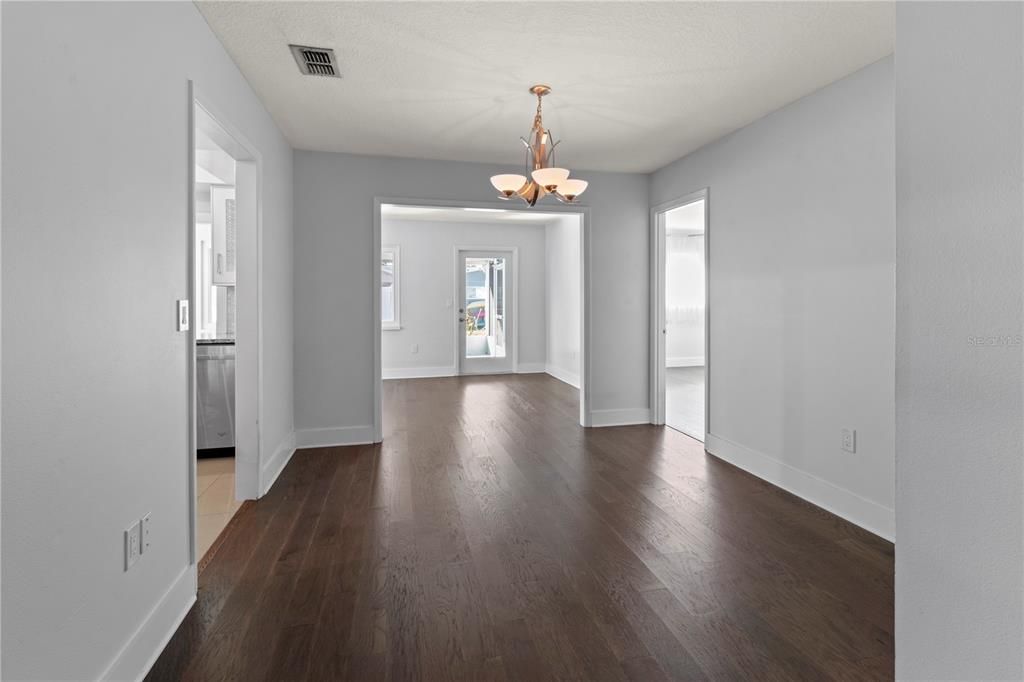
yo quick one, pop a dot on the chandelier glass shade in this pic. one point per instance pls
(542, 177)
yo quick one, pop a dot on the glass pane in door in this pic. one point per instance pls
(485, 307)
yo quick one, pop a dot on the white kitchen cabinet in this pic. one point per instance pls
(222, 212)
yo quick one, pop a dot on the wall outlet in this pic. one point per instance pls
(415, 348)
(849, 437)
(145, 525)
(132, 544)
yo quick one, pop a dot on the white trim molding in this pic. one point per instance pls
(249, 338)
(418, 372)
(341, 435)
(683, 361)
(622, 417)
(868, 514)
(570, 378)
(276, 464)
(140, 652)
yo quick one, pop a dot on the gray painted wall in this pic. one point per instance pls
(562, 298)
(334, 339)
(95, 254)
(959, 408)
(427, 257)
(802, 303)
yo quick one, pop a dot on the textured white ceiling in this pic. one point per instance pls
(635, 85)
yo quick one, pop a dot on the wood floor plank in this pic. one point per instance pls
(489, 537)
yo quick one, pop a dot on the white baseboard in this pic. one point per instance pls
(427, 372)
(277, 462)
(139, 654)
(530, 368)
(570, 378)
(418, 372)
(858, 510)
(343, 435)
(624, 417)
(685, 361)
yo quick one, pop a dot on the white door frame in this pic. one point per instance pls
(657, 316)
(459, 277)
(585, 316)
(249, 307)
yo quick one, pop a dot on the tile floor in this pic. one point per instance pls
(215, 485)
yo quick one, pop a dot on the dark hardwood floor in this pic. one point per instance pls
(491, 538)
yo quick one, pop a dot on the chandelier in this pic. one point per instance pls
(544, 176)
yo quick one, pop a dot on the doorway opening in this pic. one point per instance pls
(486, 280)
(480, 289)
(680, 315)
(223, 338)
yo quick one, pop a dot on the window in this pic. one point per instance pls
(389, 288)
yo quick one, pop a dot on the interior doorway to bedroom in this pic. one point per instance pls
(681, 375)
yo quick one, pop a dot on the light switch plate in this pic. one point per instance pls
(183, 315)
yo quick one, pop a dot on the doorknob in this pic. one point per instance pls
(462, 319)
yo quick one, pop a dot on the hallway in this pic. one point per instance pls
(490, 537)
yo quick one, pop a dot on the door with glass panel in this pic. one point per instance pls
(484, 314)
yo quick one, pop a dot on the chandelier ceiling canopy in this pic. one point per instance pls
(544, 176)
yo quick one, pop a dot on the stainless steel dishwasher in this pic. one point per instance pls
(215, 397)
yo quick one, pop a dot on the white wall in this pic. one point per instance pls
(427, 292)
(802, 304)
(684, 300)
(562, 299)
(334, 258)
(94, 395)
(960, 263)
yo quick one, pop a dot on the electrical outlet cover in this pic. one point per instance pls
(849, 443)
(132, 547)
(146, 523)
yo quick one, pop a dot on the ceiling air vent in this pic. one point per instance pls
(316, 61)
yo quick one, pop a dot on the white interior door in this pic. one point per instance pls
(484, 324)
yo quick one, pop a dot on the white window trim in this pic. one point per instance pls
(395, 324)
